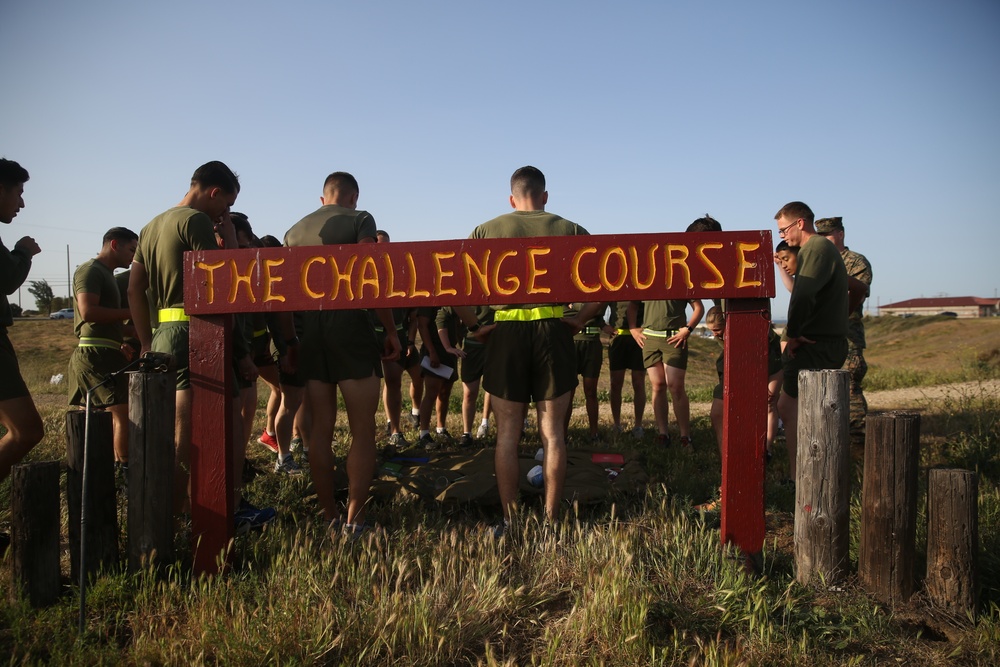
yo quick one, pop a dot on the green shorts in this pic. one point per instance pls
(13, 385)
(474, 362)
(262, 355)
(625, 354)
(774, 364)
(589, 357)
(827, 353)
(172, 338)
(339, 345)
(88, 367)
(444, 359)
(657, 350)
(530, 361)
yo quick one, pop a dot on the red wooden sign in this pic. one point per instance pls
(735, 266)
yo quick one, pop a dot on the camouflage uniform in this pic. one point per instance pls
(858, 267)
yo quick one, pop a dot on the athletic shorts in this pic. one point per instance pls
(339, 345)
(89, 367)
(530, 361)
(589, 357)
(261, 350)
(474, 362)
(13, 385)
(774, 364)
(403, 344)
(827, 353)
(625, 354)
(657, 350)
(172, 338)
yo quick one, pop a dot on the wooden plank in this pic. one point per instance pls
(212, 480)
(563, 269)
(101, 546)
(744, 423)
(953, 542)
(35, 532)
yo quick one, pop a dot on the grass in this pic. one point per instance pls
(640, 580)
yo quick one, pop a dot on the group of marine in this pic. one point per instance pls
(519, 355)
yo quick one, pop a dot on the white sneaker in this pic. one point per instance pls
(482, 431)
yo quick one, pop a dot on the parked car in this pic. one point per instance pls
(64, 314)
(948, 313)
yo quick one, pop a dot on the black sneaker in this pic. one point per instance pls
(445, 438)
(249, 518)
(466, 440)
(663, 439)
(427, 442)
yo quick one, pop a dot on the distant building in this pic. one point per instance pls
(962, 306)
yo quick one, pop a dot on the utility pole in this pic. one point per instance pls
(69, 283)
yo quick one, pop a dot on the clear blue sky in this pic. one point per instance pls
(643, 116)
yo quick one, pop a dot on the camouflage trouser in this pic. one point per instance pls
(858, 367)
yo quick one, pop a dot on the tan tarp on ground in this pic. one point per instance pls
(464, 477)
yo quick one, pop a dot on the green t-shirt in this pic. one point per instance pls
(331, 225)
(619, 314)
(93, 277)
(818, 305)
(162, 243)
(591, 330)
(522, 224)
(14, 266)
(665, 315)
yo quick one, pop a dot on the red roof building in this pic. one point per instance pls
(962, 306)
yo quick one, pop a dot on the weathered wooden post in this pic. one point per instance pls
(35, 532)
(822, 476)
(889, 505)
(151, 413)
(952, 540)
(101, 548)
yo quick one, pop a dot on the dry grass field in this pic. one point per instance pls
(640, 579)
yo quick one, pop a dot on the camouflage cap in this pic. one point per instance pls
(829, 225)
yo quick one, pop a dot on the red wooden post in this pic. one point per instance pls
(212, 483)
(744, 423)
(736, 266)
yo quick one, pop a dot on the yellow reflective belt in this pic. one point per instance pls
(592, 331)
(260, 333)
(623, 331)
(86, 341)
(173, 315)
(659, 334)
(528, 314)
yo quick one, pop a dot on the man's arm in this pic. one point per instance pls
(92, 311)
(857, 292)
(15, 264)
(138, 283)
(631, 317)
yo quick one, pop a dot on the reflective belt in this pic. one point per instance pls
(591, 331)
(529, 314)
(86, 341)
(260, 333)
(173, 315)
(659, 334)
(623, 331)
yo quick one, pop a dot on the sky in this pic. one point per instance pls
(643, 116)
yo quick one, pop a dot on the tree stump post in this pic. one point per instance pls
(889, 505)
(952, 540)
(35, 532)
(822, 476)
(101, 520)
(151, 412)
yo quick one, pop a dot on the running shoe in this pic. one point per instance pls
(269, 441)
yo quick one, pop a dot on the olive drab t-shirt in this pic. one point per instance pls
(162, 243)
(664, 315)
(522, 224)
(331, 225)
(93, 277)
(818, 305)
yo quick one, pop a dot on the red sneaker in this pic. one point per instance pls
(268, 441)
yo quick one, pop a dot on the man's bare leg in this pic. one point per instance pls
(773, 393)
(291, 400)
(392, 394)
(716, 414)
(182, 452)
(361, 402)
(682, 407)
(590, 397)
(269, 374)
(320, 396)
(639, 395)
(24, 430)
(510, 424)
(470, 394)
(551, 417)
(119, 424)
(615, 397)
(788, 410)
(658, 380)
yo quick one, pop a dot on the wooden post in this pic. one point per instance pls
(151, 412)
(952, 540)
(889, 505)
(822, 481)
(212, 480)
(35, 532)
(101, 549)
(744, 424)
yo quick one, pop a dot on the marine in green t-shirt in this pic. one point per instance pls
(99, 320)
